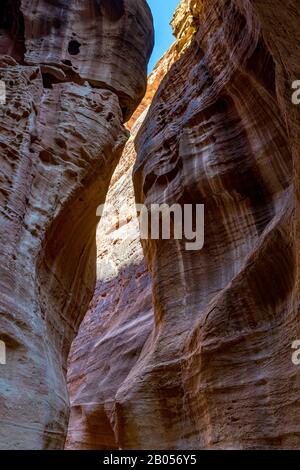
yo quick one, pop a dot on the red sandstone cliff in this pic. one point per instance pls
(120, 317)
(222, 130)
(179, 349)
(215, 372)
(73, 71)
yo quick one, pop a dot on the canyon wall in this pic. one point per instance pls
(120, 318)
(212, 369)
(73, 72)
(222, 131)
(179, 349)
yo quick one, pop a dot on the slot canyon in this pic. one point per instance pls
(114, 342)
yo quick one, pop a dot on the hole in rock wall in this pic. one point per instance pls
(74, 47)
(12, 30)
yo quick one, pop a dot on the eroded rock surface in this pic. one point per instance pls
(93, 40)
(215, 371)
(205, 364)
(61, 137)
(222, 130)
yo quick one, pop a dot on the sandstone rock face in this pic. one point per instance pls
(281, 33)
(118, 322)
(120, 318)
(214, 369)
(204, 361)
(222, 130)
(77, 41)
(185, 22)
(61, 137)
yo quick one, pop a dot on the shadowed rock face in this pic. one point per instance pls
(120, 317)
(12, 29)
(114, 9)
(119, 322)
(61, 135)
(222, 131)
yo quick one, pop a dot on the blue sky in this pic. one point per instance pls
(162, 11)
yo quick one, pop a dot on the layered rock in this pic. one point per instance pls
(215, 371)
(184, 25)
(62, 134)
(207, 362)
(185, 22)
(95, 40)
(222, 131)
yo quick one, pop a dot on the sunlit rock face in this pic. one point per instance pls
(61, 137)
(216, 372)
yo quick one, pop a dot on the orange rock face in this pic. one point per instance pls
(62, 135)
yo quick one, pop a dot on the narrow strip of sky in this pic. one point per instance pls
(162, 11)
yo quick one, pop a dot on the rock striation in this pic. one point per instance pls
(215, 371)
(119, 320)
(179, 349)
(222, 131)
(73, 71)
